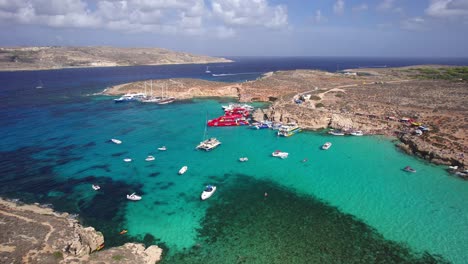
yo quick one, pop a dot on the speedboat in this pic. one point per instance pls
(280, 154)
(133, 197)
(163, 148)
(150, 158)
(116, 141)
(409, 169)
(326, 146)
(356, 133)
(183, 170)
(208, 192)
(243, 159)
(96, 187)
(127, 160)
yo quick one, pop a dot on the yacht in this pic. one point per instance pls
(280, 154)
(150, 158)
(166, 100)
(133, 197)
(243, 159)
(183, 170)
(289, 130)
(228, 120)
(209, 144)
(163, 148)
(326, 146)
(131, 97)
(207, 70)
(127, 160)
(116, 141)
(208, 192)
(96, 187)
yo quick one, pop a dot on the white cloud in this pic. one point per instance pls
(448, 8)
(250, 13)
(386, 5)
(414, 24)
(359, 8)
(190, 17)
(338, 7)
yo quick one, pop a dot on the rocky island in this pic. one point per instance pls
(56, 57)
(36, 234)
(394, 102)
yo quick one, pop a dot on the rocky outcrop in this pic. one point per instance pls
(40, 235)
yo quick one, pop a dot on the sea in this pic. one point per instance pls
(352, 203)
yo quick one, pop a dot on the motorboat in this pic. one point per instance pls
(163, 148)
(183, 170)
(276, 125)
(409, 169)
(116, 141)
(131, 97)
(243, 159)
(326, 146)
(133, 197)
(357, 133)
(127, 160)
(232, 106)
(209, 144)
(280, 154)
(262, 125)
(96, 187)
(125, 231)
(150, 158)
(289, 130)
(208, 192)
(237, 111)
(336, 132)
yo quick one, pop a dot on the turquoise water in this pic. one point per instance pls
(68, 146)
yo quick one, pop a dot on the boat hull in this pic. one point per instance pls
(206, 195)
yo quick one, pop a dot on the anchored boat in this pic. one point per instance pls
(289, 130)
(208, 192)
(209, 144)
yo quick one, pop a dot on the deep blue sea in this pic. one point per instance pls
(349, 204)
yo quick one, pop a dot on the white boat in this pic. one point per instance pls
(116, 141)
(357, 133)
(327, 145)
(232, 106)
(243, 159)
(163, 148)
(288, 130)
(209, 144)
(336, 132)
(133, 197)
(131, 97)
(127, 160)
(208, 192)
(183, 170)
(96, 187)
(39, 85)
(150, 158)
(207, 70)
(280, 154)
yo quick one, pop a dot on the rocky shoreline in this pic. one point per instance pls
(37, 234)
(388, 102)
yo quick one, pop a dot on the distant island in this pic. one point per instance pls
(58, 57)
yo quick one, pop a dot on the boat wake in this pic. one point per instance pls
(230, 74)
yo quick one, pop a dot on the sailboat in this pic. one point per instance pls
(151, 99)
(210, 143)
(165, 99)
(207, 69)
(39, 85)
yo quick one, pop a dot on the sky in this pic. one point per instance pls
(373, 28)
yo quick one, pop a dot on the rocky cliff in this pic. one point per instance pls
(32, 234)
